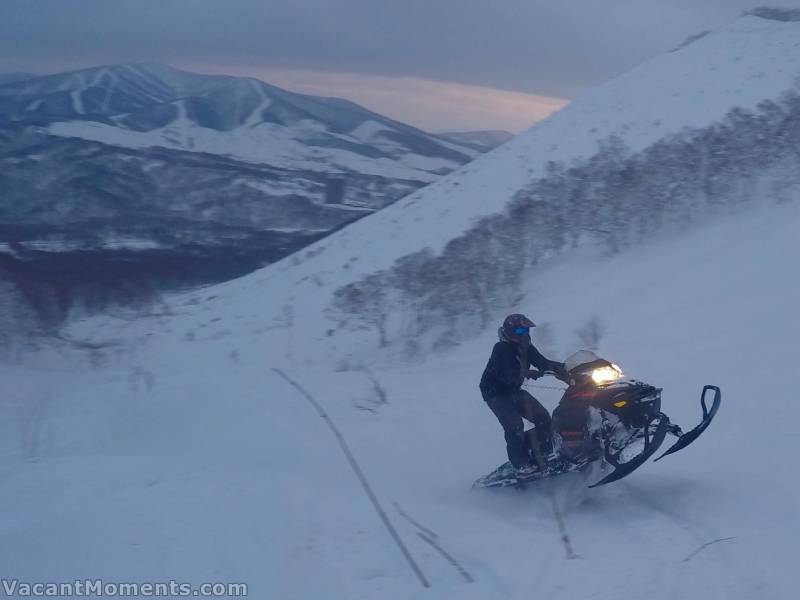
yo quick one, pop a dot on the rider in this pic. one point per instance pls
(507, 369)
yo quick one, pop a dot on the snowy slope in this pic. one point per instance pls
(297, 147)
(183, 455)
(190, 459)
(738, 66)
(741, 65)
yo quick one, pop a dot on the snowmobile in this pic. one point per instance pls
(603, 419)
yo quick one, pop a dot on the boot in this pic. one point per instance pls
(525, 471)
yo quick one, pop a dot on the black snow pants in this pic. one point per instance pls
(510, 409)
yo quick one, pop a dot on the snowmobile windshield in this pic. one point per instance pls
(586, 362)
(580, 358)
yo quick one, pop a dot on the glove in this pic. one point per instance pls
(534, 374)
(562, 374)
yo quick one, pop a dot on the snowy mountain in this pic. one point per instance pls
(15, 77)
(480, 140)
(142, 106)
(718, 113)
(185, 455)
(161, 177)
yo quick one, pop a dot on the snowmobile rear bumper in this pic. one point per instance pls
(684, 439)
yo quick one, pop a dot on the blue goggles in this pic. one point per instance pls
(522, 330)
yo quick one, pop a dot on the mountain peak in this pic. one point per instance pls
(152, 104)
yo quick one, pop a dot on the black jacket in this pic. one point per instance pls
(504, 373)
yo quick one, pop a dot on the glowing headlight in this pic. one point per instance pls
(606, 374)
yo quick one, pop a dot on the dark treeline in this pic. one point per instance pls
(615, 197)
(40, 290)
(775, 14)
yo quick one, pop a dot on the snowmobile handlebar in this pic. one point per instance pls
(537, 373)
(560, 375)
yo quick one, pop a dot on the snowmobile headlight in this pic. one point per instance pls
(606, 374)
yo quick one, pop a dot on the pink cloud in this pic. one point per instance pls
(430, 105)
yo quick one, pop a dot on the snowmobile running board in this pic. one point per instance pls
(708, 414)
(652, 441)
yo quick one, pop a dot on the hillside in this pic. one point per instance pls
(118, 182)
(190, 459)
(665, 125)
(170, 447)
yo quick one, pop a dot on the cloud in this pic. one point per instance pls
(534, 46)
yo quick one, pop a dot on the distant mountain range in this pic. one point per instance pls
(482, 141)
(180, 178)
(14, 77)
(139, 106)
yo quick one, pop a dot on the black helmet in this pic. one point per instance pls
(516, 328)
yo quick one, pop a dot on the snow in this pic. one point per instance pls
(369, 129)
(129, 243)
(190, 459)
(279, 188)
(182, 455)
(34, 105)
(642, 106)
(67, 245)
(741, 65)
(77, 101)
(298, 229)
(255, 117)
(265, 143)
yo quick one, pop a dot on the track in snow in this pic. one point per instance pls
(432, 539)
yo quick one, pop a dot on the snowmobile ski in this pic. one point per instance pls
(684, 439)
(652, 440)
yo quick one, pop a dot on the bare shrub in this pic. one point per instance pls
(364, 305)
(592, 332)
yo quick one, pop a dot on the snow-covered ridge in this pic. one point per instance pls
(262, 143)
(741, 65)
(142, 106)
(738, 66)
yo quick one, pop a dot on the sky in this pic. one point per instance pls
(438, 64)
